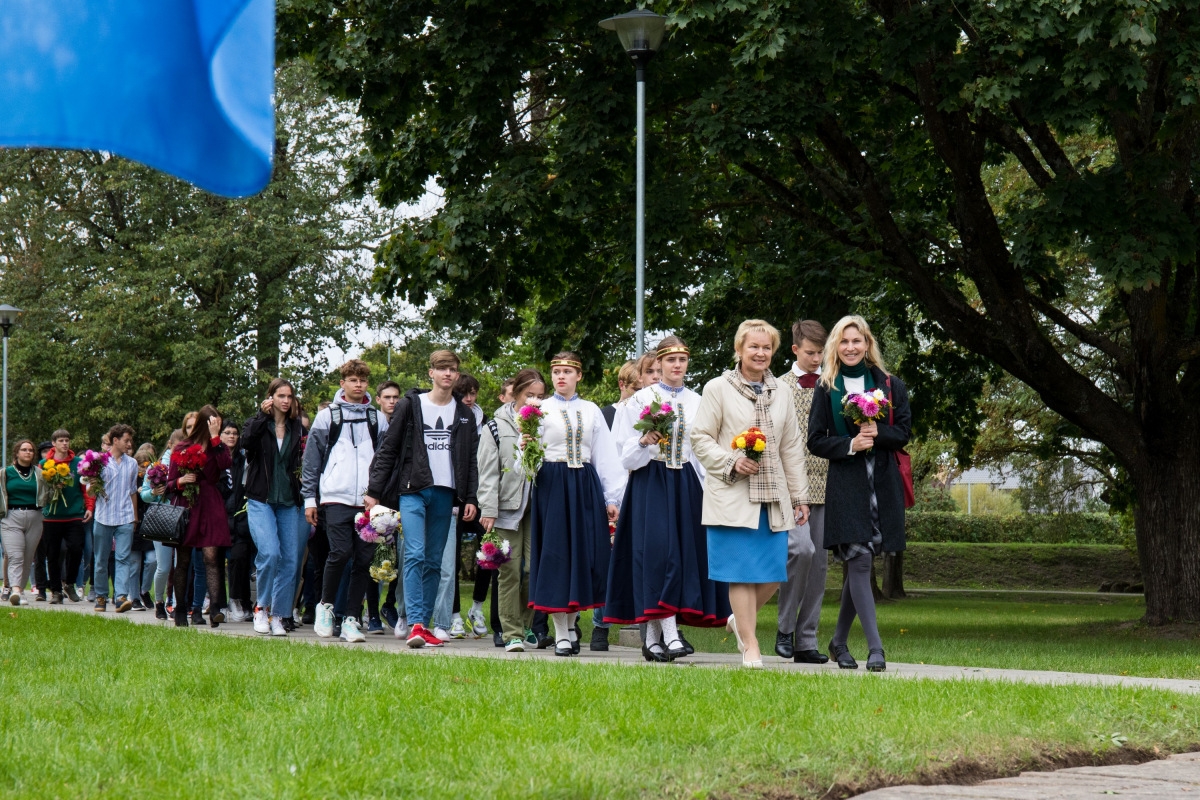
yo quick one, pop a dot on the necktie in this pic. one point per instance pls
(809, 380)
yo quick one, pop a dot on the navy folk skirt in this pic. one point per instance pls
(569, 553)
(660, 556)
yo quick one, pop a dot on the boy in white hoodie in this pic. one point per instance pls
(337, 465)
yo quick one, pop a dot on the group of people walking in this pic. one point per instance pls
(666, 527)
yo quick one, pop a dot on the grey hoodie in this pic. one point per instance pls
(348, 467)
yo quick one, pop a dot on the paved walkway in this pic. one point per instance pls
(1177, 776)
(484, 648)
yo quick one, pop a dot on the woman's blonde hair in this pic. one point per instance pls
(755, 326)
(831, 364)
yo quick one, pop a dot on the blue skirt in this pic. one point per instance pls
(659, 562)
(747, 555)
(569, 543)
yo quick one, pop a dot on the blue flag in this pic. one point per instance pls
(183, 86)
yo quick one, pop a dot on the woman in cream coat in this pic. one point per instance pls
(749, 506)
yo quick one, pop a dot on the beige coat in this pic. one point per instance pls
(723, 414)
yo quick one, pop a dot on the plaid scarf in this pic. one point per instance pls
(764, 487)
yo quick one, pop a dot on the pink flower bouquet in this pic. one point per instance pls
(493, 551)
(866, 407)
(91, 467)
(530, 452)
(660, 418)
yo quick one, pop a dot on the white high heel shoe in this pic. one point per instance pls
(752, 664)
(731, 626)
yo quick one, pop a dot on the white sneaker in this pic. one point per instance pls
(236, 612)
(441, 633)
(204, 609)
(350, 631)
(277, 628)
(401, 629)
(323, 626)
(261, 623)
(478, 626)
(24, 600)
(457, 629)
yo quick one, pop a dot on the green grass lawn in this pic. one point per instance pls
(101, 708)
(1050, 632)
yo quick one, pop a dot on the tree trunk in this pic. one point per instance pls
(268, 337)
(893, 576)
(1167, 521)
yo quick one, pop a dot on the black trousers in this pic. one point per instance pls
(314, 570)
(241, 558)
(64, 550)
(346, 551)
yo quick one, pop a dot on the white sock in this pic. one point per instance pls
(560, 626)
(670, 630)
(653, 633)
(476, 606)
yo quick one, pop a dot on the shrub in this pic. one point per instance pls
(939, 526)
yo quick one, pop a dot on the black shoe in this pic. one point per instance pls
(563, 648)
(810, 657)
(498, 638)
(289, 624)
(676, 650)
(309, 617)
(875, 661)
(389, 616)
(41, 595)
(784, 647)
(543, 640)
(687, 645)
(658, 655)
(69, 591)
(137, 605)
(577, 645)
(599, 640)
(147, 600)
(160, 611)
(197, 618)
(181, 618)
(215, 618)
(337, 629)
(841, 654)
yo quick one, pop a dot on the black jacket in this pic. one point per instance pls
(401, 464)
(259, 443)
(847, 496)
(231, 489)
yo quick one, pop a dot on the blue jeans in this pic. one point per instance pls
(425, 517)
(164, 559)
(275, 530)
(124, 582)
(443, 606)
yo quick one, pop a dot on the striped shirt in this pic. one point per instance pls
(120, 482)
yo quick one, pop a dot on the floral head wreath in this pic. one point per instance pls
(666, 351)
(566, 362)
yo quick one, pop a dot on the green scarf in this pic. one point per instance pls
(838, 395)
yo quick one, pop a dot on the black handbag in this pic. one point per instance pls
(164, 523)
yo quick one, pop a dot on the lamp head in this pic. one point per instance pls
(640, 31)
(8, 317)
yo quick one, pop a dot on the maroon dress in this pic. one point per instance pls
(207, 524)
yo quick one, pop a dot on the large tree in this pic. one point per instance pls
(145, 297)
(967, 166)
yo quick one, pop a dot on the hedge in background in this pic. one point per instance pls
(940, 526)
(1017, 566)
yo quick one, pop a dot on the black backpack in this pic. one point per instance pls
(335, 431)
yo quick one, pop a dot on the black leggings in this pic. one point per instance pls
(214, 576)
(241, 558)
(64, 550)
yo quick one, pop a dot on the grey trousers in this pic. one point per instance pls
(20, 532)
(807, 564)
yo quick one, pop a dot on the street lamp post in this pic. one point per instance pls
(8, 318)
(641, 34)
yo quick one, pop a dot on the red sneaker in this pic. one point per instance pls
(415, 639)
(430, 639)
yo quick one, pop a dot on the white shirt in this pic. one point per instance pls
(437, 439)
(120, 482)
(686, 404)
(596, 443)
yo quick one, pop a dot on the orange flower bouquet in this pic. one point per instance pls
(752, 443)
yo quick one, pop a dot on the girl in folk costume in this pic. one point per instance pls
(576, 494)
(659, 570)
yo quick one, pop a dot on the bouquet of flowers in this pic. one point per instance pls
(190, 462)
(660, 418)
(752, 442)
(530, 456)
(156, 475)
(493, 551)
(383, 563)
(866, 407)
(91, 466)
(57, 475)
(380, 525)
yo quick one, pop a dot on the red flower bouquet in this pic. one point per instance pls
(190, 461)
